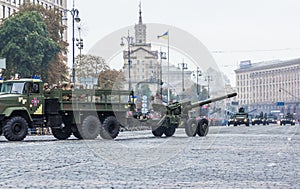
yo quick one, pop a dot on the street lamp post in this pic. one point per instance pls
(75, 17)
(129, 40)
(198, 74)
(162, 57)
(208, 79)
(183, 66)
(79, 40)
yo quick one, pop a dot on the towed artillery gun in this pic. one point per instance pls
(178, 113)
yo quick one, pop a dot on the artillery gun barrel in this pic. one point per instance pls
(208, 101)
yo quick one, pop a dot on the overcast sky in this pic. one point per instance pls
(265, 29)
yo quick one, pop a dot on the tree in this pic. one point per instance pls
(89, 67)
(26, 44)
(111, 79)
(57, 69)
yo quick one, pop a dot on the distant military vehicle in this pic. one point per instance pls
(288, 119)
(241, 117)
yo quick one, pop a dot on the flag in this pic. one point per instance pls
(164, 36)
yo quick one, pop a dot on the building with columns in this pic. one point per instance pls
(262, 85)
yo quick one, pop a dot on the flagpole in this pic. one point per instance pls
(168, 67)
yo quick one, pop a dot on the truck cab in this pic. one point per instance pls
(21, 106)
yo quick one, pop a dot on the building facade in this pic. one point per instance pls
(269, 86)
(146, 65)
(8, 7)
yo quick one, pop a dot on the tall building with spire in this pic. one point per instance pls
(144, 61)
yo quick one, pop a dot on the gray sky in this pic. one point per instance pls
(265, 29)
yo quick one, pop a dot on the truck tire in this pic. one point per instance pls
(0, 130)
(158, 131)
(110, 128)
(15, 129)
(203, 127)
(191, 127)
(90, 127)
(169, 131)
(62, 133)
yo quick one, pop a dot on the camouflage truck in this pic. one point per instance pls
(85, 113)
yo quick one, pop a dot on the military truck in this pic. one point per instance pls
(82, 112)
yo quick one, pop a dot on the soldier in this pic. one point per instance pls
(46, 88)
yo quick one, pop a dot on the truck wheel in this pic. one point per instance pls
(62, 134)
(158, 131)
(110, 128)
(90, 127)
(170, 130)
(15, 129)
(0, 130)
(203, 127)
(191, 127)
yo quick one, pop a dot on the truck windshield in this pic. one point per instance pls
(16, 88)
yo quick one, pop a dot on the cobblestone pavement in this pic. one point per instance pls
(229, 157)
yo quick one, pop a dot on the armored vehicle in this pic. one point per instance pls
(288, 119)
(241, 118)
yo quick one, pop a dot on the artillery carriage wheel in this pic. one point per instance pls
(110, 128)
(203, 127)
(90, 127)
(15, 128)
(62, 133)
(170, 130)
(191, 127)
(158, 131)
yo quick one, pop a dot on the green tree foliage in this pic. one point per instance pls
(57, 68)
(111, 79)
(26, 45)
(88, 67)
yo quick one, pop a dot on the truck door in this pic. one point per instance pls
(35, 98)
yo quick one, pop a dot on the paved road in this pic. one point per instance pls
(229, 157)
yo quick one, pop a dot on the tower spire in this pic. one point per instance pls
(140, 13)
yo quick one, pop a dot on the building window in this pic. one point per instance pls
(3, 11)
(8, 10)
